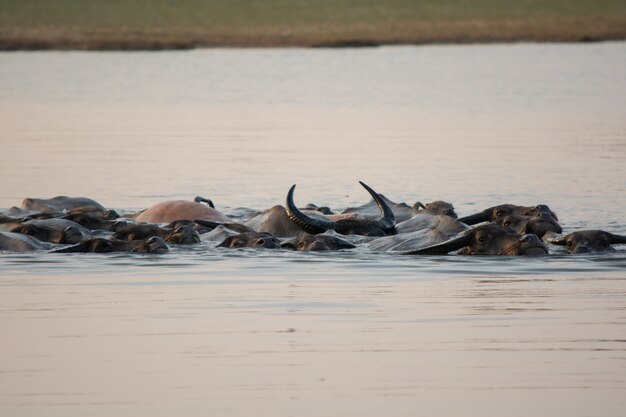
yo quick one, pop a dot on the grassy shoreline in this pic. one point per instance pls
(184, 24)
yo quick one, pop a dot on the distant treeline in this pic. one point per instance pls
(168, 24)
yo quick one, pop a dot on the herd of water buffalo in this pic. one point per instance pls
(78, 224)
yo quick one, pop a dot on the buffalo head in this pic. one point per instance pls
(496, 213)
(585, 241)
(489, 239)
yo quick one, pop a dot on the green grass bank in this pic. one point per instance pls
(166, 24)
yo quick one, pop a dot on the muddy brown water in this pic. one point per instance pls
(206, 331)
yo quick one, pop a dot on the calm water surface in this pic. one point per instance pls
(201, 331)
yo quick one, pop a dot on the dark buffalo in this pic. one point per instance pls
(585, 241)
(306, 242)
(184, 234)
(251, 240)
(18, 242)
(60, 204)
(496, 213)
(402, 211)
(100, 245)
(383, 226)
(489, 239)
(54, 230)
(539, 224)
(437, 207)
(95, 221)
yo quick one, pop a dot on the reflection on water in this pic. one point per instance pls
(202, 331)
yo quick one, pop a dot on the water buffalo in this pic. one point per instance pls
(383, 226)
(306, 242)
(18, 242)
(184, 234)
(54, 230)
(539, 224)
(60, 204)
(489, 239)
(493, 214)
(100, 245)
(403, 211)
(95, 221)
(169, 211)
(585, 241)
(251, 240)
(274, 221)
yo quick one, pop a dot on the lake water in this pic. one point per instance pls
(201, 331)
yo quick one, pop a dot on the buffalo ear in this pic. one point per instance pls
(560, 240)
(617, 238)
(442, 248)
(226, 243)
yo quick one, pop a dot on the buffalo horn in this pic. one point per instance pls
(442, 248)
(388, 219)
(306, 223)
(617, 238)
(483, 216)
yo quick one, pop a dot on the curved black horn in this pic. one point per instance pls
(304, 222)
(388, 219)
(617, 238)
(483, 216)
(442, 248)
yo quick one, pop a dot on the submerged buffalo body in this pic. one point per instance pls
(184, 234)
(54, 230)
(169, 211)
(306, 242)
(60, 204)
(100, 245)
(251, 240)
(539, 224)
(18, 242)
